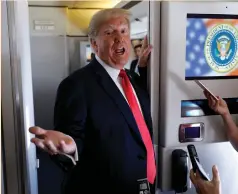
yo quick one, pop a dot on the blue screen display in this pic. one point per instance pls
(192, 132)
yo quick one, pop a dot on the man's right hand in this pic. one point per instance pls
(218, 106)
(53, 142)
(144, 54)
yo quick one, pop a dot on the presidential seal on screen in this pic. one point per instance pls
(220, 48)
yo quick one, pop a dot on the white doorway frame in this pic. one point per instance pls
(17, 100)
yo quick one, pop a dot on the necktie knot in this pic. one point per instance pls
(122, 73)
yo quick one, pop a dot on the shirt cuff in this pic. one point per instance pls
(75, 157)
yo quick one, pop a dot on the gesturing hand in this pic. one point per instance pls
(53, 142)
(144, 55)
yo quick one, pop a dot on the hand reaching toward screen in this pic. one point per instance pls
(206, 187)
(53, 142)
(219, 106)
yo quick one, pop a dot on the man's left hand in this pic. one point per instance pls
(206, 187)
(145, 52)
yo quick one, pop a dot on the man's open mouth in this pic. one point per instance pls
(120, 51)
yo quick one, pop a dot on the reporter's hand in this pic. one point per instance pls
(206, 187)
(219, 106)
(53, 142)
(144, 54)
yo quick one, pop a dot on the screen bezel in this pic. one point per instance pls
(181, 134)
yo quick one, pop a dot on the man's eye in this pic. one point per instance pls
(108, 33)
(124, 31)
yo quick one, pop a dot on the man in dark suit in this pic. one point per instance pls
(134, 63)
(142, 52)
(102, 117)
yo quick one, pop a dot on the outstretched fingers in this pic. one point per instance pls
(37, 131)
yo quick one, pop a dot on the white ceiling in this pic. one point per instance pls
(140, 10)
(139, 28)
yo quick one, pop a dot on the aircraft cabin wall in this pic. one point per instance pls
(54, 55)
(18, 157)
(174, 86)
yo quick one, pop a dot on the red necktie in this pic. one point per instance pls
(126, 85)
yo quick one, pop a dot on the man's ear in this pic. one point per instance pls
(94, 45)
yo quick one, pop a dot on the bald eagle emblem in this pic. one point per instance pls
(223, 48)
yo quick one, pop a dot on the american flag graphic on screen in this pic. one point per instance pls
(200, 60)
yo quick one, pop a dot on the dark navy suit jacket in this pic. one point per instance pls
(133, 65)
(91, 109)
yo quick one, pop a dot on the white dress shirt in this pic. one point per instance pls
(114, 74)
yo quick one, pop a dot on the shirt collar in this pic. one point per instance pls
(113, 73)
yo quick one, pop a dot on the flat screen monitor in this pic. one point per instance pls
(211, 46)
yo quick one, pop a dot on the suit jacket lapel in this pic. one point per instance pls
(111, 89)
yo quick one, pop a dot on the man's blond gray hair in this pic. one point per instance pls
(102, 16)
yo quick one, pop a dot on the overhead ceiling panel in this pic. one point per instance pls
(99, 4)
(79, 13)
(102, 4)
(50, 3)
(79, 18)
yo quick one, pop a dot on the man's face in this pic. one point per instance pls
(137, 51)
(112, 43)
